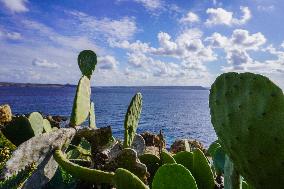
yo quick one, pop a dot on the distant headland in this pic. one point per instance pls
(12, 84)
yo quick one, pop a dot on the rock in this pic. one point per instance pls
(38, 150)
(186, 145)
(5, 114)
(180, 145)
(128, 159)
(138, 144)
(153, 140)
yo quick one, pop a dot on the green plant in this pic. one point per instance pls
(131, 119)
(22, 128)
(247, 112)
(92, 117)
(173, 176)
(87, 61)
(124, 179)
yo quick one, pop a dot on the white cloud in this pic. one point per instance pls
(16, 6)
(190, 18)
(136, 46)
(151, 4)
(220, 16)
(107, 63)
(239, 39)
(10, 35)
(268, 8)
(44, 63)
(123, 28)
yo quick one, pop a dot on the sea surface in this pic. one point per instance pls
(178, 111)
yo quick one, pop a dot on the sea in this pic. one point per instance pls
(180, 112)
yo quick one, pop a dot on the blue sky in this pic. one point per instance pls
(141, 42)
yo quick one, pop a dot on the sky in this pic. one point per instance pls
(141, 42)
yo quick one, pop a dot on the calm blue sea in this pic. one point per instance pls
(179, 112)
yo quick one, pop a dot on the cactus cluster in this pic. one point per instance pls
(247, 112)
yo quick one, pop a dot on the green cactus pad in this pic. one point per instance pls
(131, 119)
(202, 171)
(83, 173)
(173, 176)
(87, 61)
(212, 148)
(92, 117)
(152, 162)
(36, 121)
(124, 179)
(47, 126)
(166, 157)
(247, 112)
(18, 130)
(81, 104)
(219, 160)
(185, 158)
(232, 179)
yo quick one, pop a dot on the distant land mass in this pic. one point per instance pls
(11, 84)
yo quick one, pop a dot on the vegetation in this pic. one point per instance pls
(247, 112)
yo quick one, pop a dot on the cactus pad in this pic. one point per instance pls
(131, 119)
(166, 157)
(87, 61)
(83, 173)
(81, 104)
(47, 126)
(36, 121)
(124, 179)
(247, 112)
(185, 158)
(173, 176)
(92, 117)
(18, 130)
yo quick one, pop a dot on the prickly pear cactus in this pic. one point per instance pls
(152, 162)
(131, 119)
(247, 112)
(36, 121)
(92, 117)
(87, 61)
(47, 126)
(232, 179)
(185, 158)
(124, 179)
(173, 176)
(166, 157)
(81, 104)
(83, 173)
(219, 160)
(18, 130)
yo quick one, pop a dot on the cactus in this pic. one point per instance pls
(21, 128)
(36, 121)
(81, 104)
(83, 173)
(173, 176)
(87, 61)
(152, 162)
(92, 117)
(124, 179)
(219, 160)
(47, 126)
(212, 148)
(247, 112)
(185, 158)
(232, 179)
(166, 157)
(131, 119)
